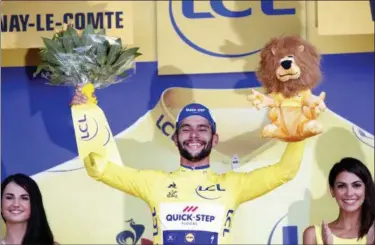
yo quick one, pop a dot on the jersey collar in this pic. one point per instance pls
(203, 168)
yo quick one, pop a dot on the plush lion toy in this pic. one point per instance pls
(289, 68)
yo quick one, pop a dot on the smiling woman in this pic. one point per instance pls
(353, 188)
(23, 212)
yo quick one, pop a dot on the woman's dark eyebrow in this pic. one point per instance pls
(357, 182)
(340, 183)
(354, 182)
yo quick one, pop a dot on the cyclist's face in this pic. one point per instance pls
(195, 139)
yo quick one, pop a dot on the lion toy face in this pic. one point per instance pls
(289, 65)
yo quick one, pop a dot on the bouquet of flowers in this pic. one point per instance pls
(85, 57)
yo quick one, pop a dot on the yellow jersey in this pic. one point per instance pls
(195, 205)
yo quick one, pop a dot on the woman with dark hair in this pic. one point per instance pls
(352, 185)
(23, 212)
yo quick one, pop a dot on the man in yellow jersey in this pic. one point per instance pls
(193, 205)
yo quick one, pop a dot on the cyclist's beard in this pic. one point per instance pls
(206, 151)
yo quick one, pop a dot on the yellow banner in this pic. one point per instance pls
(23, 23)
(348, 18)
(221, 36)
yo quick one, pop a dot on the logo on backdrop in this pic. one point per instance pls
(89, 129)
(289, 233)
(219, 10)
(132, 236)
(363, 136)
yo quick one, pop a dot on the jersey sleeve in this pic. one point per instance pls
(129, 180)
(263, 180)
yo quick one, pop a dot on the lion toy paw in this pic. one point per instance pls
(259, 100)
(269, 131)
(311, 128)
(314, 106)
(255, 101)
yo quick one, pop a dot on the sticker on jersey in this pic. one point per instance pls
(191, 223)
(189, 237)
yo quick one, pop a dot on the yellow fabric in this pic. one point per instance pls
(293, 101)
(92, 131)
(195, 204)
(337, 240)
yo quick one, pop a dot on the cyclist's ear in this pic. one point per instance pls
(175, 138)
(215, 139)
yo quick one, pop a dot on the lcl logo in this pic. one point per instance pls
(217, 9)
(89, 128)
(211, 192)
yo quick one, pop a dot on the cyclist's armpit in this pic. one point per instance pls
(263, 180)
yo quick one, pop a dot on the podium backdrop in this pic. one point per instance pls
(202, 51)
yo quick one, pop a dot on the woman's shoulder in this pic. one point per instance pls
(371, 235)
(312, 229)
(309, 235)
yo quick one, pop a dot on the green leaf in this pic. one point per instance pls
(131, 51)
(68, 44)
(125, 56)
(128, 64)
(50, 57)
(52, 45)
(73, 35)
(114, 52)
(88, 30)
(86, 35)
(102, 50)
(137, 54)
